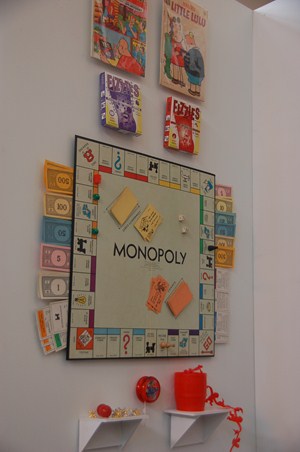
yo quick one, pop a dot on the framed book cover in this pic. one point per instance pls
(120, 104)
(182, 126)
(183, 48)
(118, 35)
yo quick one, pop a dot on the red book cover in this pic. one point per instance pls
(182, 126)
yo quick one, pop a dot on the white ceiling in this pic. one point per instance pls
(284, 11)
(254, 4)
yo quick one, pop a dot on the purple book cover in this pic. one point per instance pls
(121, 104)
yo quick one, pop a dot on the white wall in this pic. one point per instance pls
(276, 161)
(49, 93)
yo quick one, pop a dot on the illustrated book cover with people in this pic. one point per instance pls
(118, 35)
(120, 104)
(183, 48)
(182, 126)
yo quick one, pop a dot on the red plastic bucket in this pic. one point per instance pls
(190, 391)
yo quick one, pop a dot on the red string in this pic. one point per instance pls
(233, 416)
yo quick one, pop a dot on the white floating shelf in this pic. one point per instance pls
(193, 427)
(99, 433)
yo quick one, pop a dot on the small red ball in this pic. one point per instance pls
(104, 410)
(97, 179)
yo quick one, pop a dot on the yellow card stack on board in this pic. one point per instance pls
(148, 222)
(123, 206)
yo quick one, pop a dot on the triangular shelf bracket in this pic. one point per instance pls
(187, 427)
(95, 434)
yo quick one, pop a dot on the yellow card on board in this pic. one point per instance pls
(123, 206)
